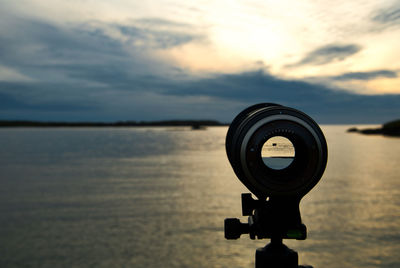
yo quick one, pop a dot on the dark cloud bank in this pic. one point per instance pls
(82, 74)
(326, 105)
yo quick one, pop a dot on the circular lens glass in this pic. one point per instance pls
(278, 152)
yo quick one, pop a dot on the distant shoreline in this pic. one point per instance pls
(388, 129)
(167, 123)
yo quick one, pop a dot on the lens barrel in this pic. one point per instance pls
(276, 150)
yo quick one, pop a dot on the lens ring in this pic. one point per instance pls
(297, 176)
(238, 120)
(248, 125)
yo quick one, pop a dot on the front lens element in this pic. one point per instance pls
(278, 152)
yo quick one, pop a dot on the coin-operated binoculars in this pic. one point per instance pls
(279, 154)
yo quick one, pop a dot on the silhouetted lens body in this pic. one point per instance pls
(276, 150)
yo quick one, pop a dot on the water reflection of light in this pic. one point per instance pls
(138, 192)
(356, 201)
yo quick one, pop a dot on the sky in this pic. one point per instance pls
(95, 60)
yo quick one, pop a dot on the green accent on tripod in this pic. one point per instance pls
(294, 234)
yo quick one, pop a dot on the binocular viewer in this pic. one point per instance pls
(279, 154)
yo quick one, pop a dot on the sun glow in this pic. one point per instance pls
(236, 36)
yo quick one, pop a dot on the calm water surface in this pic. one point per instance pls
(157, 197)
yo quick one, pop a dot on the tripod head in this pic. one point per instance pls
(279, 154)
(272, 218)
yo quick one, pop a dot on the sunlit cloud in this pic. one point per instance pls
(9, 74)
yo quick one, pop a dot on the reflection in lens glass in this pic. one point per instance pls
(277, 152)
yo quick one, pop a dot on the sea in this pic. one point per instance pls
(158, 197)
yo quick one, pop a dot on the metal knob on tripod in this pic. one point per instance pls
(279, 154)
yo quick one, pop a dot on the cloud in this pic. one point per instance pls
(8, 102)
(149, 33)
(250, 87)
(110, 71)
(388, 17)
(8, 74)
(219, 97)
(90, 71)
(366, 75)
(254, 86)
(13, 99)
(328, 54)
(42, 50)
(324, 103)
(155, 39)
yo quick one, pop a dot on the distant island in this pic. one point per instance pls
(391, 128)
(195, 124)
